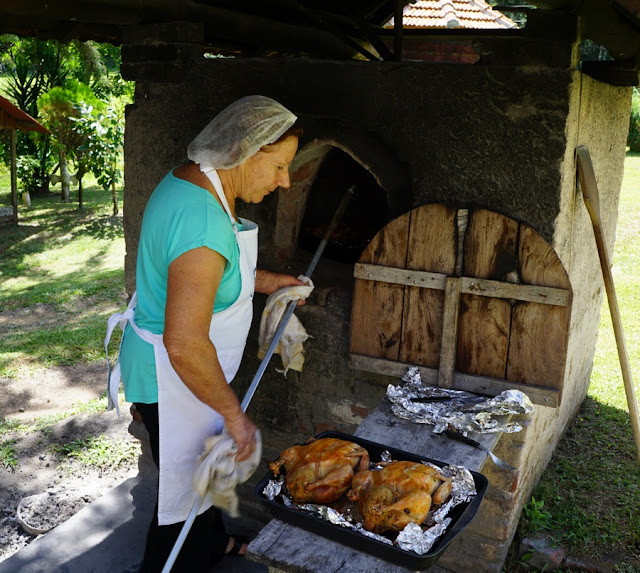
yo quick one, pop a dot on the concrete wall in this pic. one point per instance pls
(500, 137)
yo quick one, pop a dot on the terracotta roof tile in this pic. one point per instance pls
(475, 14)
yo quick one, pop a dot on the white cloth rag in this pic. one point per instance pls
(218, 473)
(290, 347)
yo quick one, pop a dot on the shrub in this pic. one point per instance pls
(633, 139)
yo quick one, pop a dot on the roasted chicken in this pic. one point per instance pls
(398, 494)
(320, 471)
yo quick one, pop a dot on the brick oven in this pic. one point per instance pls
(496, 137)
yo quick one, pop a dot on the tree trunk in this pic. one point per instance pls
(14, 177)
(64, 177)
(80, 175)
(114, 196)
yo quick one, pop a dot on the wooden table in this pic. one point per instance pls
(285, 547)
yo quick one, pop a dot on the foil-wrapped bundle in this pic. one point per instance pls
(273, 488)
(465, 411)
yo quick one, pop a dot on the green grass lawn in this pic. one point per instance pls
(58, 263)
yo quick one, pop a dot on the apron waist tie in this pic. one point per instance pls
(113, 377)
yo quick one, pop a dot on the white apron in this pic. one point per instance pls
(185, 422)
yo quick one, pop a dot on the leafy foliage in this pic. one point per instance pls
(8, 457)
(537, 518)
(77, 90)
(633, 139)
(27, 170)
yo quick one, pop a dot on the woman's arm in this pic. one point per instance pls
(268, 282)
(194, 278)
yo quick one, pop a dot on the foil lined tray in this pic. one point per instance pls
(461, 515)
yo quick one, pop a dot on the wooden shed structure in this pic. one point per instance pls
(13, 118)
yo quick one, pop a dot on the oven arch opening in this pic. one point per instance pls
(331, 160)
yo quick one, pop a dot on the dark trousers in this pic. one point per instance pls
(207, 539)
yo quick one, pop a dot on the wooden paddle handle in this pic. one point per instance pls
(592, 202)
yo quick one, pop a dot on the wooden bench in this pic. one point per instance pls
(285, 547)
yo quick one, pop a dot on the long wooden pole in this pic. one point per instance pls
(592, 202)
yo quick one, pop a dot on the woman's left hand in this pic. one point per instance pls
(268, 282)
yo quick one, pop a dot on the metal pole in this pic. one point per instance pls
(292, 305)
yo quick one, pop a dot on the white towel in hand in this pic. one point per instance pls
(218, 473)
(290, 346)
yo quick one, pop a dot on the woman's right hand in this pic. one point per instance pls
(243, 431)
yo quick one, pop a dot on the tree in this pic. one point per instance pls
(106, 148)
(33, 68)
(69, 114)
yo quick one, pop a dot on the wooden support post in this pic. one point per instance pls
(449, 332)
(397, 29)
(14, 178)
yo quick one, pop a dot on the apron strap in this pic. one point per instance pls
(214, 178)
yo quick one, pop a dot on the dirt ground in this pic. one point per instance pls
(62, 490)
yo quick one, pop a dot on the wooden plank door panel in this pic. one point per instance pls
(485, 323)
(538, 350)
(431, 247)
(496, 319)
(433, 239)
(483, 350)
(422, 326)
(490, 245)
(376, 318)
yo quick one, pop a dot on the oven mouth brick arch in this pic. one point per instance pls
(366, 151)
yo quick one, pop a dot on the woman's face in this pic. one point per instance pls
(268, 169)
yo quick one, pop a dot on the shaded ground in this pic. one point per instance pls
(68, 485)
(52, 391)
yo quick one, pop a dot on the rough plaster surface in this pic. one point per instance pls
(471, 135)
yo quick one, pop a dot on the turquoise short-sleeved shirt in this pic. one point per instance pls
(179, 217)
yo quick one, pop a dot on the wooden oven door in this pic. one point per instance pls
(477, 300)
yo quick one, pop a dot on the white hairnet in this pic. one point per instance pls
(239, 131)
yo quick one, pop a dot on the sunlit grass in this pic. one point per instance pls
(97, 452)
(61, 261)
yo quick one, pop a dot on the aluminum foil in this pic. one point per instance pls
(413, 537)
(467, 412)
(273, 488)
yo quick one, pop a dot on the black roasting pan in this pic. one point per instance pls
(461, 515)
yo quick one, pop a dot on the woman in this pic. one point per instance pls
(195, 275)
